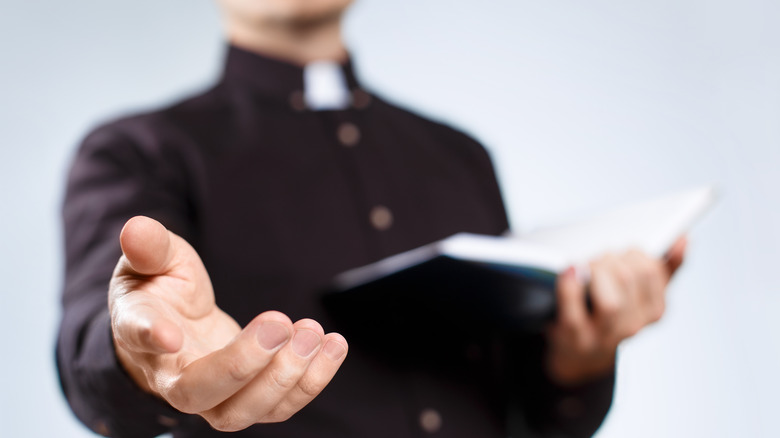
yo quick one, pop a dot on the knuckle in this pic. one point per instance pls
(633, 329)
(283, 381)
(180, 397)
(277, 415)
(239, 368)
(228, 420)
(311, 387)
(609, 307)
(658, 311)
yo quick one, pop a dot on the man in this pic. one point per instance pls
(274, 181)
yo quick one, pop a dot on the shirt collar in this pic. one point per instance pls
(318, 86)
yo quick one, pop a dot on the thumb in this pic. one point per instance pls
(674, 257)
(147, 245)
(572, 309)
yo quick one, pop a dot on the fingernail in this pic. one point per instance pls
(569, 273)
(334, 350)
(305, 342)
(582, 273)
(272, 334)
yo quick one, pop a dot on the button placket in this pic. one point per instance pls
(348, 134)
(381, 217)
(430, 420)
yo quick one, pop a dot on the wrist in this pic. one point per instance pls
(570, 370)
(128, 365)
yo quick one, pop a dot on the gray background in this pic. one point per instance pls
(584, 104)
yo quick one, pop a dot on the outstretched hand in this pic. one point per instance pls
(627, 292)
(177, 344)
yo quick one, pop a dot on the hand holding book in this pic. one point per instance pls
(627, 292)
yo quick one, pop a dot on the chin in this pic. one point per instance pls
(315, 10)
(292, 12)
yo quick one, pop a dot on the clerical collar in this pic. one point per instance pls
(318, 86)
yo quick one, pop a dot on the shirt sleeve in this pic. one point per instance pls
(540, 407)
(112, 179)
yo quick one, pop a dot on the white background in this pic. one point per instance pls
(584, 104)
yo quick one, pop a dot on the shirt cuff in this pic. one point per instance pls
(578, 411)
(120, 407)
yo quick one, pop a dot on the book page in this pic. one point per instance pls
(651, 226)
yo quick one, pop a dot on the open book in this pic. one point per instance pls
(511, 279)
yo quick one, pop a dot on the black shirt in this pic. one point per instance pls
(277, 199)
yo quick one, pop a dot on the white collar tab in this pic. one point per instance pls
(325, 87)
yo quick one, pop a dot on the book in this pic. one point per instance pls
(509, 281)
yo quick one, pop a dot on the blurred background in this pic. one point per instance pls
(583, 104)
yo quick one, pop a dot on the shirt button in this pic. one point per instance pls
(360, 99)
(430, 420)
(381, 217)
(349, 134)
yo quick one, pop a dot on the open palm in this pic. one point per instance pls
(177, 344)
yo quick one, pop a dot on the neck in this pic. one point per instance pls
(298, 43)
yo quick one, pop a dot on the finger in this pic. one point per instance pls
(140, 324)
(631, 270)
(651, 279)
(269, 388)
(674, 257)
(606, 292)
(572, 311)
(319, 373)
(641, 285)
(147, 245)
(210, 380)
